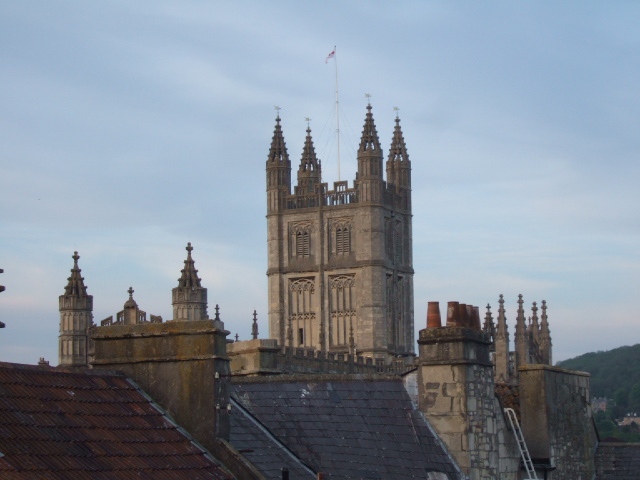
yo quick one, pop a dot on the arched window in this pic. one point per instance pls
(303, 244)
(342, 310)
(343, 240)
(300, 235)
(302, 330)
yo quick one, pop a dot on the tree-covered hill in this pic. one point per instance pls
(614, 375)
(611, 371)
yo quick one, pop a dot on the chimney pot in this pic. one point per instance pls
(433, 315)
(452, 314)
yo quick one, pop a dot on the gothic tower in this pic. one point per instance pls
(340, 265)
(76, 317)
(189, 298)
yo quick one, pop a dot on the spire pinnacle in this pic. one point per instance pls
(502, 328)
(189, 276)
(278, 151)
(75, 285)
(254, 327)
(398, 150)
(369, 141)
(310, 168)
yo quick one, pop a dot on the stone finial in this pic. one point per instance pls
(130, 303)
(217, 312)
(488, 326)
(237, 337)
(189, 277)
(535, 326)
(254, 327)
(75, 285)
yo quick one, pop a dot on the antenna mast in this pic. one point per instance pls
(335, 61)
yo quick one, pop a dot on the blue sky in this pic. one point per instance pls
(131, 128)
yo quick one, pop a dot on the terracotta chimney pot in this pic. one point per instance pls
(452, 314)
(433, 315)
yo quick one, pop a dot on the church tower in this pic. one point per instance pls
(76, 316)
(189, 298)
(340, 264)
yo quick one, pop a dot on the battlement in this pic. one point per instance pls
(342, 195)
(266, 357)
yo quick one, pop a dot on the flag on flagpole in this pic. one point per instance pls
(332, 54)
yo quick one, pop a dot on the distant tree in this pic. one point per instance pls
(621, 397)
(634, 398)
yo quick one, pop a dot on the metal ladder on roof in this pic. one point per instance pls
(522, 445)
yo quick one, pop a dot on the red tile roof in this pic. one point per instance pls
(58, 423)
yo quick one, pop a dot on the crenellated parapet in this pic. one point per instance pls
(261, 357)
(130, 314)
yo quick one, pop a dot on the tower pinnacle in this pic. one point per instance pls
(369, 142)
(189, 298)
(76, 317)
(278, 170)
(309, 172)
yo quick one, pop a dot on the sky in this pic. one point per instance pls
(128, 129)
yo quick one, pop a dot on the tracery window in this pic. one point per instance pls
(396, 311)
(394, 240)
(302, 315)
(342, 310)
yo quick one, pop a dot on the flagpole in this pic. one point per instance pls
(335, 61)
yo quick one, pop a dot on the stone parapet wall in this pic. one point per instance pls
(266, 357)
(556, 419)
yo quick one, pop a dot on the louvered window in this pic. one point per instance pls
(303, 244)
(343, 240)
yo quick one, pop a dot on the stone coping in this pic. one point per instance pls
(173, 327)
(534, 367)
(318, 378)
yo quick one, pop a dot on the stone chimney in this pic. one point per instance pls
(456, 388)
(182, 365)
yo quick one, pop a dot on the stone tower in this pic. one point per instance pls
(76, 317)
(189, 298)
(340, 266)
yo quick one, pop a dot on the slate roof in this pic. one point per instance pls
(618, 461)
(57, 424)
(347, 426)
(263, 450)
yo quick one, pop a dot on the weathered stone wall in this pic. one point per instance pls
(508, 453)
(556, 419)
(181, 365)
(457, 395)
